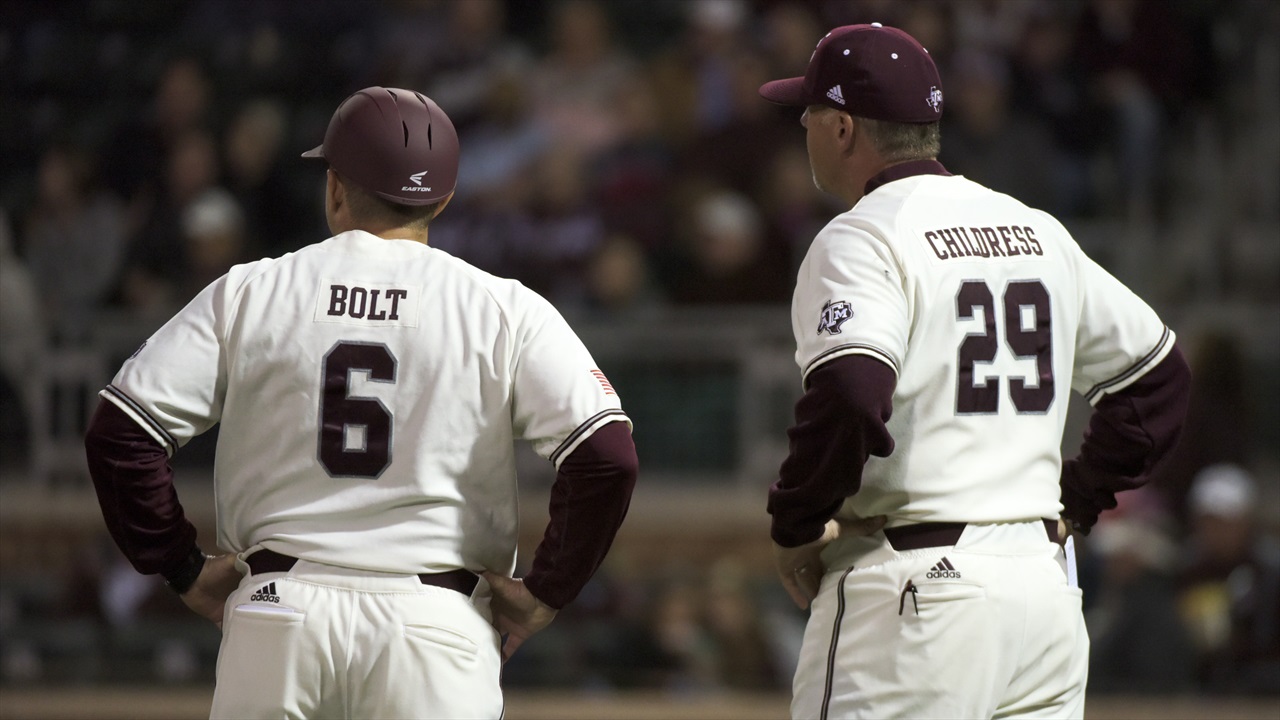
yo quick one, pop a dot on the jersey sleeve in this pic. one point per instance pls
(849, 299)
(174, 385)
(560, 396)
(1120, 337)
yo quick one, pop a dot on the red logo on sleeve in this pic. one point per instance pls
(604, 382)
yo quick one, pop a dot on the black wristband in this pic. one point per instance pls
(184, 577)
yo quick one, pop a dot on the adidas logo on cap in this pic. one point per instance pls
(944, 569)
(266, 593)
(836, 94)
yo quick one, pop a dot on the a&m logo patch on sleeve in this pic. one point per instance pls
(834, 314)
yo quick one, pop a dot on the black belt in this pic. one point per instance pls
(266, 561)
(938, 534)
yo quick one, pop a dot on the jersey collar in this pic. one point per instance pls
(904, 170)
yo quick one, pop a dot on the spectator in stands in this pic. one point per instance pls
(745, 659)
(618, 279)
(213, 234)
(23, 337)
(473, 56)
(138, 152)
(795, 210)
(737, 154)
(74, 241)
(159, 272)
(632, 179)
(987, 140)
(574, 84)
(694, 77)
(1231, 585)
(728, 262)
(1049, 85)
(932, 25)
(689, 651)
(278, 214)
(1138, 643)
(553, 238)
(790, 32)
(503, 145)
(991, 26)
(1137, 55)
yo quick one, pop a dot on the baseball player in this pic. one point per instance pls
(939, 327)
(369, 389)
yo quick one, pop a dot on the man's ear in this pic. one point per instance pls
(335, 191)
(848, 134)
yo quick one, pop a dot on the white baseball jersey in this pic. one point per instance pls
(984, 308)
(369, 392)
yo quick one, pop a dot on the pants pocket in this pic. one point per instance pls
(442, 637)
(259, 664)
(943, 592)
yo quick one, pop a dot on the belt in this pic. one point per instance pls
(937, 534)
(265, 561)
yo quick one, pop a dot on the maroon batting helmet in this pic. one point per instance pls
(397, 144)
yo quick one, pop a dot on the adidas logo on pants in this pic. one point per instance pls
(944, 569)
(266, 593)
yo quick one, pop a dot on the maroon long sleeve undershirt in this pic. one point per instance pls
(840, 422)
(589, 500)
(1130, 432)
(134, 482)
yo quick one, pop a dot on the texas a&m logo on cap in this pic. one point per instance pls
(935, 99)
(834, 314)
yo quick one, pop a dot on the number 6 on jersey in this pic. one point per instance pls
(355, 432)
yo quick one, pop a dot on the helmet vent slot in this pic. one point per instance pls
(428, 137)
(405, 125)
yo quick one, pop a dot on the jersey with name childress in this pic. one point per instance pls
(369, 392)
(989, 313)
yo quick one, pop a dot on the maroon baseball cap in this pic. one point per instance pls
(869, 71)
(397, 144)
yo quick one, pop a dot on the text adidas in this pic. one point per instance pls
(944, 569)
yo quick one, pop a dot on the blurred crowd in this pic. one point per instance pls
(616, 155)
(617, 159)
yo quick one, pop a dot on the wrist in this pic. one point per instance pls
(795, 537)
(533, 582)
(182, 577)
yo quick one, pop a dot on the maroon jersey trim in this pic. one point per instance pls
(1130, 371)
(584, 427)
(145, 416)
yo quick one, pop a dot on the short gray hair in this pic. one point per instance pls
(899, 142)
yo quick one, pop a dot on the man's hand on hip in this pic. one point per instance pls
(517, 614)
(801, 567)
(208, 595)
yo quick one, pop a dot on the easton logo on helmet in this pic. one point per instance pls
(416, 178)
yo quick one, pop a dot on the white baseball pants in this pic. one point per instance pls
(328, 642)
(991, 630)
